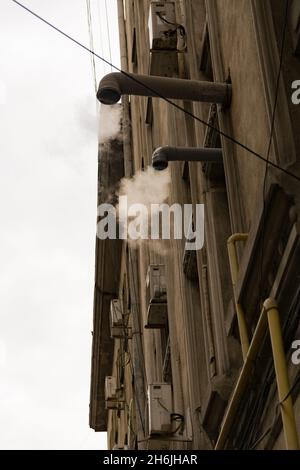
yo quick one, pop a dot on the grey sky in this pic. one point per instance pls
(48, 151)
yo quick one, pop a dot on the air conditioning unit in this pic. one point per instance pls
(295, 23)
(162, 26)
(160, 408)
(113, 396)
(116, 319)
(118, 329)
(156, 296)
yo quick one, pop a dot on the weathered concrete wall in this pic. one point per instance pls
(205, 348)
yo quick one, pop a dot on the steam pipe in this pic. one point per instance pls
(116, 84)
(162, 155)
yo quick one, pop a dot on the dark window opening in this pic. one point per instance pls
(166, 354)
(149, 112)
(213, 171)
(134, 49)
(205, 59)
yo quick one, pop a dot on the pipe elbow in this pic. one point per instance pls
(160, 159)
(109, 90)
(270, 304)
(237, 237)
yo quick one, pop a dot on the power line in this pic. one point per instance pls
(100, 35)
(266, 160)
(108, 34)
(292, 389)
(91, 38)
(268, 430)
(276, 414)
(271, 140)
(158, 95)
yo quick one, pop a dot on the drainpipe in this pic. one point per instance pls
(116, 84)
(283, 385)
(162, 155)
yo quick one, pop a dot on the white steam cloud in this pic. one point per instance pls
(145, 188)
(109, 123)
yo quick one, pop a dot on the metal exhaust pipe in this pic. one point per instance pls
(116, 84)
(163, 155)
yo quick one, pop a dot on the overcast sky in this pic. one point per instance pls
(48, 151)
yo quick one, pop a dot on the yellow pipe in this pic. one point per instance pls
(242, 381)
(283, 386)
(269, 317)
(234, 269)
(237, 237)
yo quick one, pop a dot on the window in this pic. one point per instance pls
(149, 112)
(134, 49)
(205, 59)
(190, 268)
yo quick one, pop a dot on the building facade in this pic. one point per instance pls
(187, 350)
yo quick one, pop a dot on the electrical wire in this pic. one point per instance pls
(141, 360)
(286, 12)
(137, 313)
(255, 412)
(295, 385)
(230, 138)
(121, 363)
(100, 36)
(174, 416)
(159, 95)
(268, 430)
(129, 361)
(270, 376)
(91, 38)
(178, 26)
(171, 32)
(108, 35)
(129, 419)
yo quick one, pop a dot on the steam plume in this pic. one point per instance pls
(109, 123)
